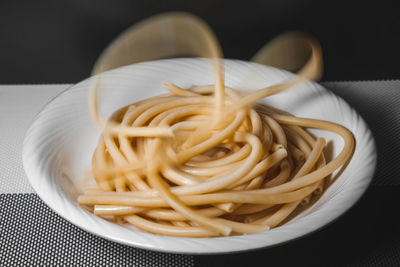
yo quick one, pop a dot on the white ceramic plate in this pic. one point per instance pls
(59, 144)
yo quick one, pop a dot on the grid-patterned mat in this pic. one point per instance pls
(378, 102)
(32, 234)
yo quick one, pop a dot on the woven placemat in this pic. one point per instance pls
(378, 102)
(32, 234)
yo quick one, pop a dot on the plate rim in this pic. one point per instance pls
(30, 172)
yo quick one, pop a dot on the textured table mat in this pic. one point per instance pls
(30, 233)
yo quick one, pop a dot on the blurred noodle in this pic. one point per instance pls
(207, 161)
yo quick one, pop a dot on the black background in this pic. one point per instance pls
(58, 42)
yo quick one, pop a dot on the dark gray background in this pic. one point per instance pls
(58, 41)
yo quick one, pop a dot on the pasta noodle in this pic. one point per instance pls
(207, 161)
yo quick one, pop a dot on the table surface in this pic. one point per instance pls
(368, 234)
(46, 42)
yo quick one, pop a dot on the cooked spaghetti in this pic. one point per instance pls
(208, 161)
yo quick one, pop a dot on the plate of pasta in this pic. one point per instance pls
(165, 172)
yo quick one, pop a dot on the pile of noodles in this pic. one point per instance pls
(207, 160)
